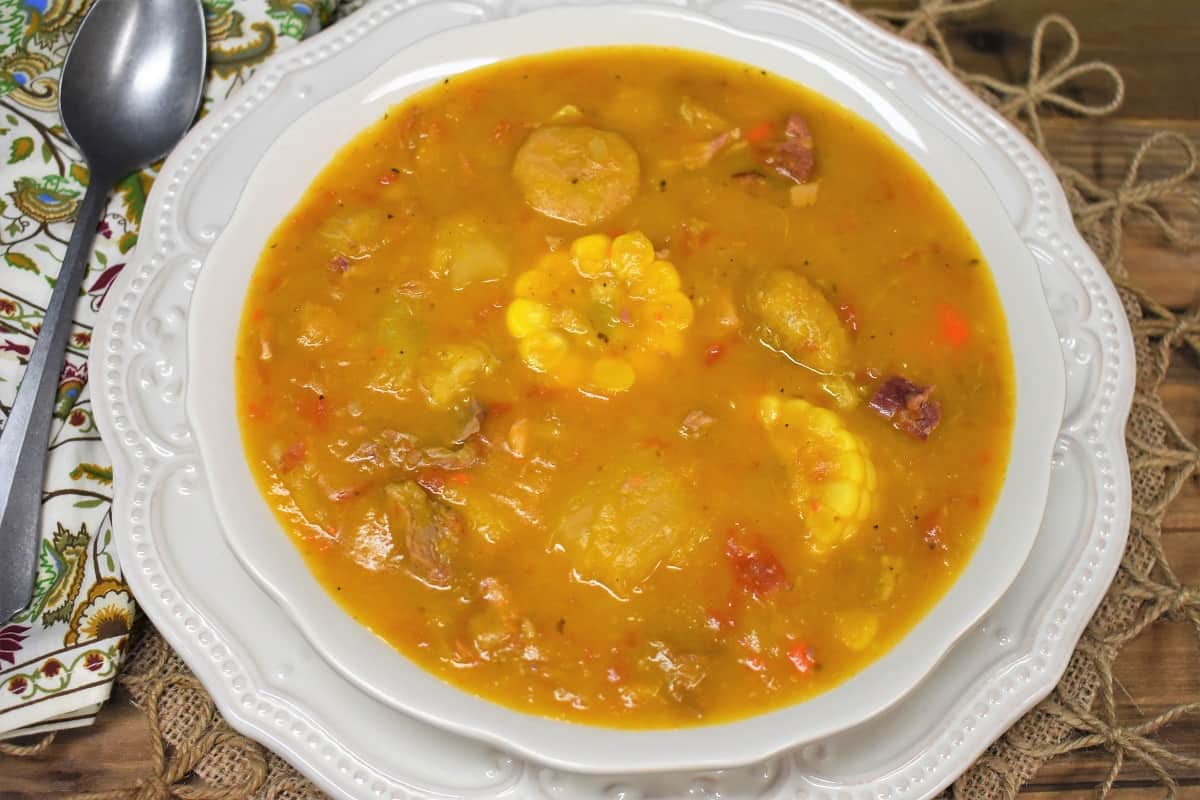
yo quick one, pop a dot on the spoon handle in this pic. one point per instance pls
(26, 435)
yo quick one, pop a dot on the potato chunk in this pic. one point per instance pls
(399, 336)
(791, 316)
(466, 252)
(353, 234)
(830, 474)
(576, 173)
(448, 373)
(621, 525)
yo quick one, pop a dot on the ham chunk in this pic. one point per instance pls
(908, 406)
(794, 157)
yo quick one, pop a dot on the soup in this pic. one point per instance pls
(627, 386)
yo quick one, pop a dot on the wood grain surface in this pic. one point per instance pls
(1154, 45)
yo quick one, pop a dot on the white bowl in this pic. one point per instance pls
(255, 535)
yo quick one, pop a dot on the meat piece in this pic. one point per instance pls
(402, 450)
(495, 625)
(797, 128)
(454, 459)
(910, 407)
(576, 173)
(428, 531)
(793, 317)
(703, 154)
(793, 158)
(757, 571)
(682, 672)
(477, 414)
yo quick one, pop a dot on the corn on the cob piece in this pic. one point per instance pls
(593, 317)
(829, 470)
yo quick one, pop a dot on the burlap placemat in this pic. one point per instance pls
(197, 755)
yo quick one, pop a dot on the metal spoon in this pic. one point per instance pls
(130, 88)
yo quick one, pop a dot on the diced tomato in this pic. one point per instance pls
(756, 568)
(293, 457)
(713, 353)
(800, 654)
(848, 316)
(753, 663)
(461, 478)
(313, 409)
(495, 409)
(953, 327)
(759, 133)
(719, 620)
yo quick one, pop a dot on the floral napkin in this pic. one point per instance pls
(59, 657)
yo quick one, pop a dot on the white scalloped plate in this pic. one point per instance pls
(272, 685)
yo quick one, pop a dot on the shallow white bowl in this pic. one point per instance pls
(255, 536)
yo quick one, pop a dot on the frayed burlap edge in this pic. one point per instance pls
(197, 756)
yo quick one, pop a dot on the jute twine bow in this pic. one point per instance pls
(1162, 457)
(1043, 87)
(31, 749)
(1104, 212)
(922, 24)
(171, 770)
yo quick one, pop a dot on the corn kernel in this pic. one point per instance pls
(890, 566)
(841, 498)
(631, 254)
(672, 310)
(533, 284)
(590, 253)
(856, 629)
(558, 267)
(769, 409)
(543, 350)
(664, 342)
(571, 321)
(572, 370)
(612, 375)
(523, 317)
(660, 277)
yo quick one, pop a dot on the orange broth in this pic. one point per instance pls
(594, 429)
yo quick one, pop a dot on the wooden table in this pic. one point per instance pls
(1156, 51)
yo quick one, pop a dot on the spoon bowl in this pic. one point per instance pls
(132, 81)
